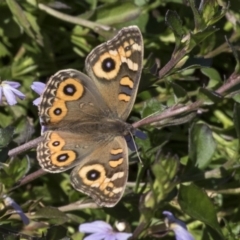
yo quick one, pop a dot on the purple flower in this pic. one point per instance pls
(177, 226)
(10, 202)
(100, 230)
(8, 89)
(38, 87)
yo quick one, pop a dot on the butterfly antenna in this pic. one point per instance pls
(135, 146)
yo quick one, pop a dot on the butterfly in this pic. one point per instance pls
(84, 118)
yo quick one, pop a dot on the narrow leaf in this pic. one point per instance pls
(199, 24)
(209, 97)
(198, 37)
(6, 135)
(179, 92)
(201, 145)
(20, 16)
(211, 11)
(164, 170)
(236, 56)
(54, 215)
(4, 51)
(213, 75)
(195, 202)
(117, 13)
(236, 119)
(174, 22)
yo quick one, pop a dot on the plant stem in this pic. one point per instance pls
(74, 20)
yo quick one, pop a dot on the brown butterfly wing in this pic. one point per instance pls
(103, 174)
(70, 96)
(115, 67)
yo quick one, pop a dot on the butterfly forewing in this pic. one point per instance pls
(115, 67)
(68, 97)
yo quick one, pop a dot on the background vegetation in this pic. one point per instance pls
(190, 87)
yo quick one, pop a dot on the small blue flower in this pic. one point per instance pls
(38, 87)
(177, 226)
(8, 89)
(100, 230)
(10, 202)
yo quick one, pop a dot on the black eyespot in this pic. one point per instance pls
(108, 65)
(56, 143)
(93, 175)
(127, 48)
(62, 157)
(57, 111)
(69, 90)
(136, 39)
(109, 189)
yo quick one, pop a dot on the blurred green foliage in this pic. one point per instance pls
(189, 97)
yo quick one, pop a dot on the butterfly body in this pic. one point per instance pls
(84, 118)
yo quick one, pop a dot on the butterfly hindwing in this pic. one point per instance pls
(103, 177)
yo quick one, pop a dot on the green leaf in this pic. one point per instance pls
(236, 120)
(174, 22)
(179, 92)
(182, 62)
(201, 145)
(6, 135)
(57, 232)
(209, 97)
(20, 16)
(53, 215)
(236, 97)
(4, 51)
(77, 236)
(199, 23)
(236, 56)
(150, 107)
(210, 11)
(16, 170)
(207, 14)
(214, 76)
(22, 67)
(33, 21)
(195, 202)
(164, 170)
(115, 13)
(198, 37)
